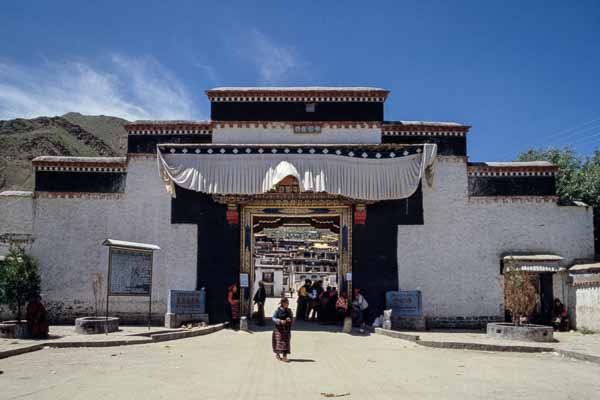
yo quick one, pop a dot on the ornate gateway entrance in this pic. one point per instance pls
(332, 214)
(228, 190)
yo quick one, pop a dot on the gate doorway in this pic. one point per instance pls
(289, 251)
(284, 246)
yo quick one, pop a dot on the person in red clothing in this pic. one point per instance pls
(560, 316)
(233, 305)
(37, 318)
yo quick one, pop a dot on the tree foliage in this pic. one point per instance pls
(578, 177)
(19, 280)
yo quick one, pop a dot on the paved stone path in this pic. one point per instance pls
(239, 365)
(64, 333)
(568, 341)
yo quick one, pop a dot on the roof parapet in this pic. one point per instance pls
(297, 94)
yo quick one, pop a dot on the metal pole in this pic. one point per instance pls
(150, 309)
(150, 295)
(108, 289)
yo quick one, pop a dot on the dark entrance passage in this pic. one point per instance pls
(218, 247)
(367, 251)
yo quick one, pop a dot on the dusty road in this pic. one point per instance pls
(238, 365)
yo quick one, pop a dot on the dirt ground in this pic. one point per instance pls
(325, 363)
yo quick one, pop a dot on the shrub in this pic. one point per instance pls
(19, 280)
(520, 294)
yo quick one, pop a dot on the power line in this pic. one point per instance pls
(585, 139)
(573, 128)
(562, 135)
(578, 133)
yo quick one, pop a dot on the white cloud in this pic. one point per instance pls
(128, 88)
(276, 63)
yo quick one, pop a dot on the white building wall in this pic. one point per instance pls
(587, 308)
(16, 212)
(454, 258)
(282, 133)
(68, 244)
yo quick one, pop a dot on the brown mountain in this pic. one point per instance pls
(72, 134)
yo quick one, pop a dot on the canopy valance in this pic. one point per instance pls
(365, 172)
(532, 263)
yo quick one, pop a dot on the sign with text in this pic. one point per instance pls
(130, 272)
(186, 302)
(243, 280)
(404, 303)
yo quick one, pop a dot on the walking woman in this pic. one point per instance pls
(233, 305)
(282, 331)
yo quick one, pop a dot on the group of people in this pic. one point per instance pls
(327, 306)
(314, 303)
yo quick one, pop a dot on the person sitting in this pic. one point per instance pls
(360, 309)
(37, 318)
(560, 316)
(341, 307)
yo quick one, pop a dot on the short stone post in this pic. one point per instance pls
(347, 325)
(387, 319)
(244, 324)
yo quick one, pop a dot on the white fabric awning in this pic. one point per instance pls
(532, 263)
(352, 171)
(532, 268)
(131, 245)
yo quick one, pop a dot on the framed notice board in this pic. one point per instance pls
(130, 272)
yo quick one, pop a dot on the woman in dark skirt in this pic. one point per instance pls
(282, 331)
(233, 305)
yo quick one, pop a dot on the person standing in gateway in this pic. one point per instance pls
(282, 330)
(259, 299)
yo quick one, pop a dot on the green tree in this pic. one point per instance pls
(19, 280)
(578, 177)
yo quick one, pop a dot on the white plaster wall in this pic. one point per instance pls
(454, 258)
(16, 213)
(284, 134)
(587, 308)
(16, 217)
(68, 243)
(277, 280)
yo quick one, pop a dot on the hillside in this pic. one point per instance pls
(72, 134)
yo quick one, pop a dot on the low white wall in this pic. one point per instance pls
(587, 308)
(68, 244)
(454, 258)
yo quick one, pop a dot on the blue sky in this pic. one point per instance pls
(522, 73)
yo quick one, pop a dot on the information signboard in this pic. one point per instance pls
(404, 303)
(244, 280)
(130, 272)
